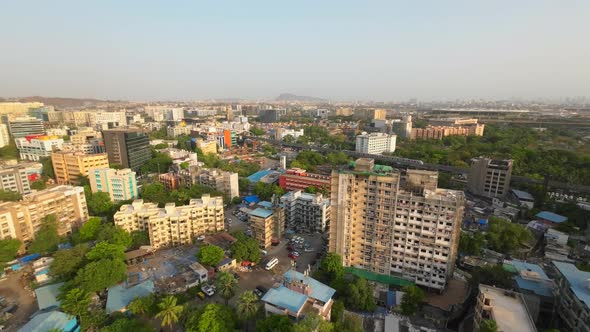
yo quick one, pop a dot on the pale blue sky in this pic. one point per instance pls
(347, 50)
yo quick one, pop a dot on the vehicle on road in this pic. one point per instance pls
(293, 257)
(201, 295)
(208, 290)
(308, 249)
(272, 263)
(200, 237)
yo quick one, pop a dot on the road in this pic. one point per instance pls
(12, 290)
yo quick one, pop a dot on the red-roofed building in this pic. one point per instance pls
(299, 179)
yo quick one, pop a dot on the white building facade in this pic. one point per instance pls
(375, 143)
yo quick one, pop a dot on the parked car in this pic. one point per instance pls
(296, 253)
(258, 293)
(237, 276)
(262, 289)
(290, 248)
(308, 249)
(201, 295)
(293, 257)
(208, 290)
(200, 237)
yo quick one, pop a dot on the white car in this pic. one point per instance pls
(208, 290)
(200, 237)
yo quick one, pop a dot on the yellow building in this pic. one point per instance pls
(207, 146)
(267, 225)
(17, 107)
(69, 166)
(396, 224)
(21, 220)
(173, 225)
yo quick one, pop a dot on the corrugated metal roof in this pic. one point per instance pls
(261, 212)
(47, 295)
(319, 291)
(119, 296)
(45, 321)
(577, 279)
(553, 217)
(283, 297)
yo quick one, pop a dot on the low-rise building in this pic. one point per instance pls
(37, 146)
(4, 137)
(280, 133)
(507, 308)
(120, 184)
(305, 211)
(375, 143)
(298, 295)
(25, 126)
(299, 179)
(170, 180)
(206, 146)
(175, 131)
(70, 166)
(572, 293)
(173, 225)
(21, 220)
(19, 177)
(223, 181)
(489, 177)
(119, 296)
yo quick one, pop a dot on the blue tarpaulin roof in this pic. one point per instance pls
(552, 217)
(251, 199)
(258, 175)
(391, 299)
(482, 221)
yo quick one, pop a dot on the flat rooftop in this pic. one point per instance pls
(510, 313)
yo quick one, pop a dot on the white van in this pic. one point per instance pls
(272, 263)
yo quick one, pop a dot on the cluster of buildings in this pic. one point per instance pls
(172, 225)
(439, 129)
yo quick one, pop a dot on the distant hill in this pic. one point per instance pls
(62, 102)
(292, 97)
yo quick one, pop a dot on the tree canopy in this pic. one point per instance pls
(266, 190)
(10, 196)
(75, 302)
(210, 255)
(494, 275)
(331, 266)
(106, 250)
(90, 229)
(68, 261)
(226, 285)
(412, 300)
(99, 204)
(169, 311)
(274, 323)
(504, 236)
(47, 238)
(8, 250)
(99, 275)
(211, 318)
(472, 244)
(245, 248)
(360, 295)
(113, 234)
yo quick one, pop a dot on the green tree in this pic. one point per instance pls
(140, 238)
(488, 325)
(504, 236)
(47, 167)
(105, 250)
(274, 323)
(155, 193)
(142, 305)
(68, 261)
(226, 285)
(10, 196)
(210, 255)
(99, 275)
(245, 248)
(257, 131)
(47, 238)
(360, 295)
(491, 275)
(75, 302)
(169, 311)
(313, 323)
(8, 250)
(114, 235)
(90, 229)
(472, 244)
(337, 311)
(349, 323)
(93, 320)
(331, 266)
(266, 190)
(248, 305)
(99, 204)
(9, 151)
(126, 325)
(160, 146)
(38, 185)
(211, 318)
(412, 300)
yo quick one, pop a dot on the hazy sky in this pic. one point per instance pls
(379, 50)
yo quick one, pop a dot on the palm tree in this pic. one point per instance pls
(247, 306)
(75, 302)
(169, 311)
(227, 285)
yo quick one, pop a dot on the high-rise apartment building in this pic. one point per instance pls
(70, 166)
(375, 143)
(4, 137)
(572, 296)
(507, 308)
(129, 148)
(36, 147)
(394, 224)
(305, 211)
(25, 126)
(19, 177)
(120, 184)
(489, 177)
(173, 225)
(223, 181)
(21, 220)
(299, 179)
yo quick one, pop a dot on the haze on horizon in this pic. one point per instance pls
(340, 50)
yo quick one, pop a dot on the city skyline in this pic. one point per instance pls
(338, 51)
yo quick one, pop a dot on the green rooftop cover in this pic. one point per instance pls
(380, 278)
